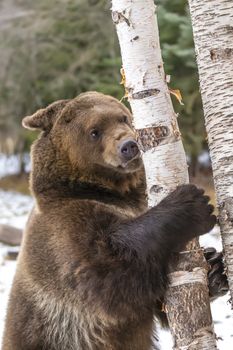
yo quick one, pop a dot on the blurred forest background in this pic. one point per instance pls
(55, 49)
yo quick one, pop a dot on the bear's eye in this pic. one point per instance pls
(95, 133)
(124, 119)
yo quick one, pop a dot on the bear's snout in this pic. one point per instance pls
(129, 150)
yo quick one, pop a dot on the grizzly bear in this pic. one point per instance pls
(94, 260)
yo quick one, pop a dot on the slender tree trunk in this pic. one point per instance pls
(165, 162)
(213, 34)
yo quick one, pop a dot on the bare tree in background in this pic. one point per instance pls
(165, 163)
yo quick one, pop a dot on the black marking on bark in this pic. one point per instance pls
(220, 54)
(151, 137)
(229, 208)
(119, 17)
(135, 38)
(228, 28)
(146, 93)
(156, 189)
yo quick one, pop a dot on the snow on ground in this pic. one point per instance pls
(11, 165)
(14, 209)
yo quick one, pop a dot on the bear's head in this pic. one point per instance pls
(88, 137)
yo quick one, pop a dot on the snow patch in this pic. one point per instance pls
(11, 165)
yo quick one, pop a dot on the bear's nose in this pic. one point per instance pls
(129, 149)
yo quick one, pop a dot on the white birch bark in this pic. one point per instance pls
(213, 35)
(165, 163)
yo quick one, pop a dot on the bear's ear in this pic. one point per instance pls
(44, 118)
(36, 120)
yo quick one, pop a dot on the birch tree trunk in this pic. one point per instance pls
(213, 35)
(165, 162)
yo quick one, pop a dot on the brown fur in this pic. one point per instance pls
(93, 265)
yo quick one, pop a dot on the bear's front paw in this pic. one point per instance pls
(193, 209)
(217, 279)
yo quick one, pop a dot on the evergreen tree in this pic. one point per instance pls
(63, 47)
(179, 59)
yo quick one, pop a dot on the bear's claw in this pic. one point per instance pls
(217, 279)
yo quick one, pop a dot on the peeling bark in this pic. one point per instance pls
(188, 307)
(213, 35)
(158, 133)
